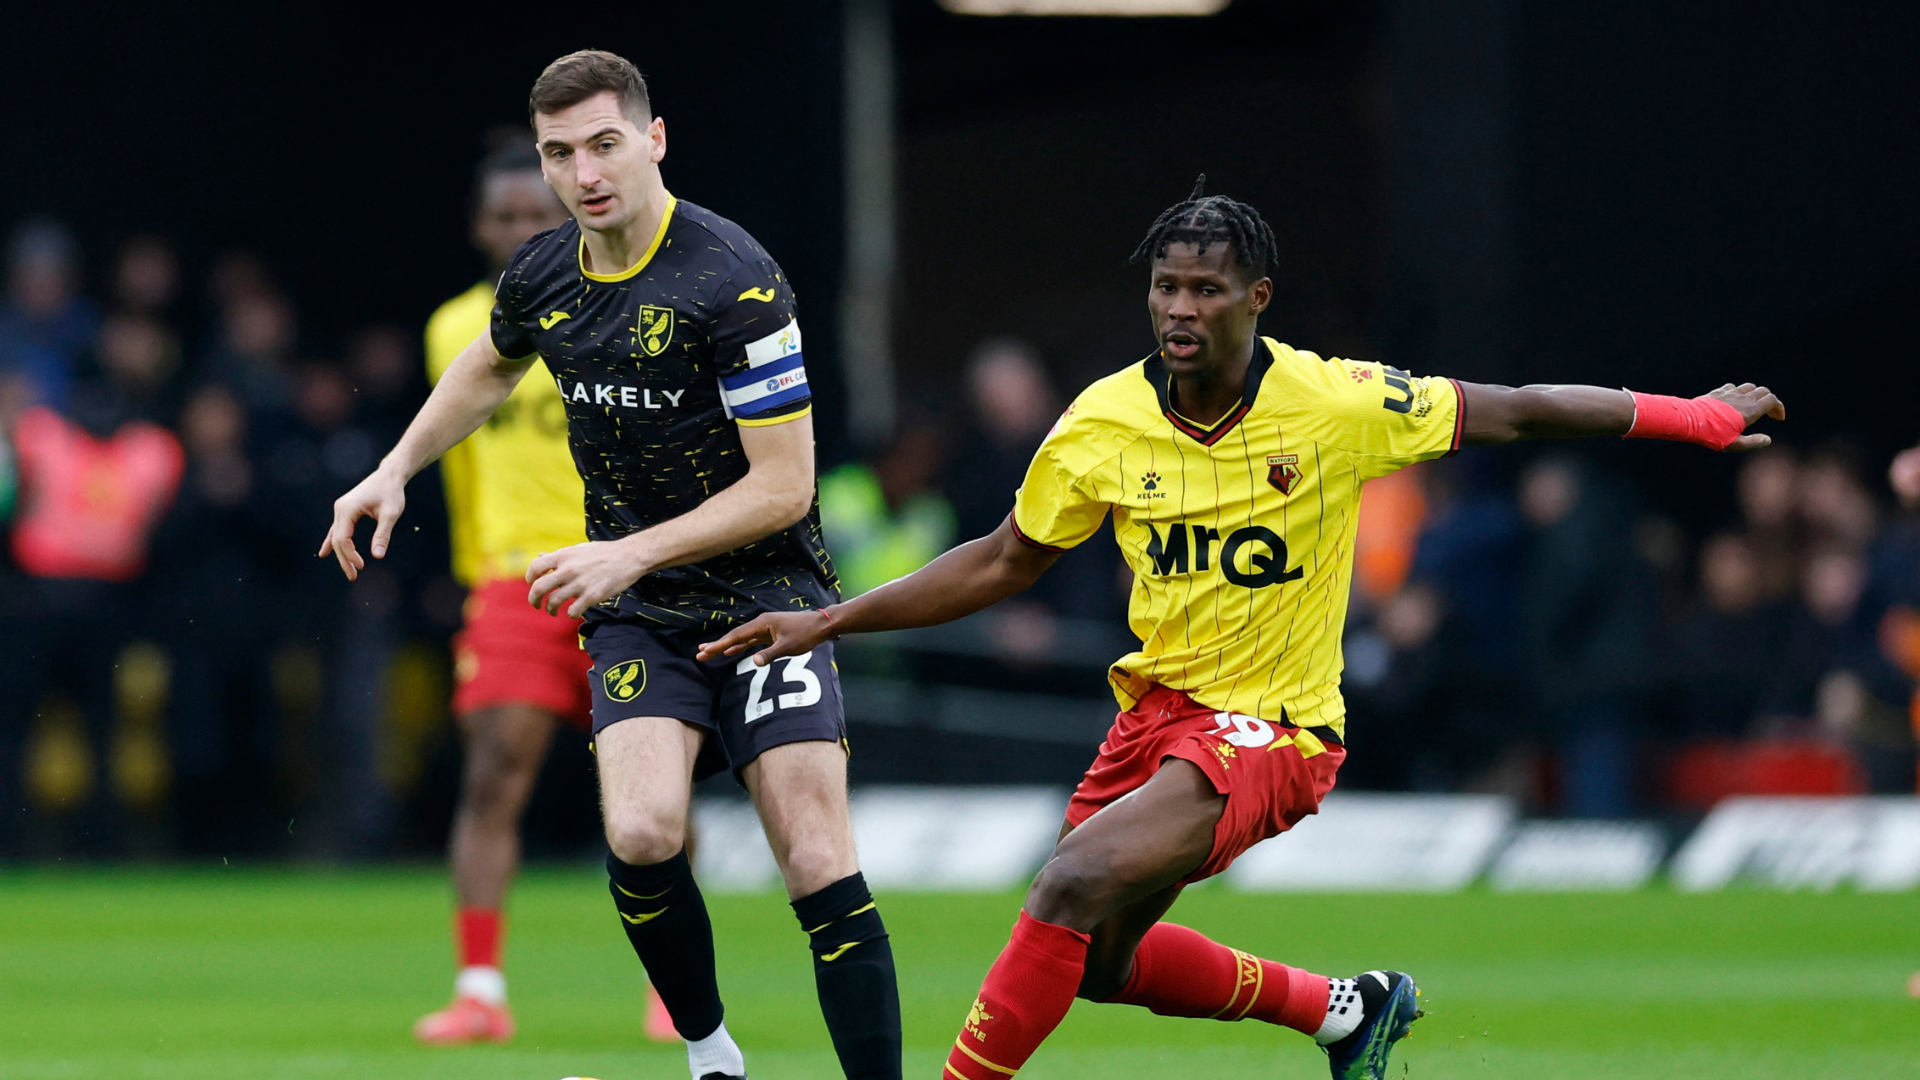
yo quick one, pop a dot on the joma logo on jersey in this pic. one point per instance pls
(655, 329)
(1258, 547)
(626, 397)
(1283, 471)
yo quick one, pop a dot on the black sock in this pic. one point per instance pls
(853, 971)
(666, 920)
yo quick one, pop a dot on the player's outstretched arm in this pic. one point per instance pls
(975, 575)
(1503, 414)
(776, 492)
(468, 392)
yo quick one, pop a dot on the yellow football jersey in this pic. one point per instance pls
(1240, 535)
(512, 490)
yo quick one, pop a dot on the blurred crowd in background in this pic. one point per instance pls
(185, 676)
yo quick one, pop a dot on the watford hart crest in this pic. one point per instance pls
(1283, 471)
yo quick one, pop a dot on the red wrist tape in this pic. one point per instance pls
(1706, 421)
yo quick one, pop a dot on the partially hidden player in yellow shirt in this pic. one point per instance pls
(512, 495)
(1231, 467)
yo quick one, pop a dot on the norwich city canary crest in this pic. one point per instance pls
(625, 680)
(655, 329)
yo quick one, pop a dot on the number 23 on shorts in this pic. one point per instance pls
(793, 673)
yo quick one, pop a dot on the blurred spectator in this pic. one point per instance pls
(1904, 477)
(1728, 651)
(1403, 701)
(46, 327)
(1837, 674)
(1393, 511)
(1585, 617)
(1469, 552)
(885, 520)
(146, 278)
(381, 366)
(1769, 487)
(1013, 406)
(137, 360)
(215, 604)
(1893, 581)
(1430, 677)
(1834, 501)
(253, 355)
(89, 501)
(323, 454)
(236, 274)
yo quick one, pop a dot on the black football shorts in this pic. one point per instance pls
(643, 670)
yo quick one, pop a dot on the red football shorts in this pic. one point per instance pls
(1272, 775)
(512, 653)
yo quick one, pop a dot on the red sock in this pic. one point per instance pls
(1179, 972)
(1027, 993)
(477, 933)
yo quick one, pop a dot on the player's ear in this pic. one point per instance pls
(657, 140)
(1259, 295)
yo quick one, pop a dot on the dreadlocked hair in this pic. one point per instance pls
(1206, 219)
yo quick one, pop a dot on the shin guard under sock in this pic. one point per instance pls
(1026, 995)
(853, 972)
(666, 920)
(1180, 972)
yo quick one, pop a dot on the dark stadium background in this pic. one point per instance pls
(1664, 196)
(1651, 194)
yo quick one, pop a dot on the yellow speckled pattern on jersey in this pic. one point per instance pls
(512, 490)
(1240, 535)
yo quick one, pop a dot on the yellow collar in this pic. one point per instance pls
(646, 257)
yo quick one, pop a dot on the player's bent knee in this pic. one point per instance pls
(814, 864)
(1070, 891)
(642, 840)
(1102, 980)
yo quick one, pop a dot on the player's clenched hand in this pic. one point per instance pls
(381, 496)
(785, 633)
(578, 577)
(1753, 402)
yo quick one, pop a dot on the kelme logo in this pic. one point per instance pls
(625, 680)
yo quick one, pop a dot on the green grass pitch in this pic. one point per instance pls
(218, 974)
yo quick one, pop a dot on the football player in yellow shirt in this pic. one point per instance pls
(512, 493)
(1231, 465)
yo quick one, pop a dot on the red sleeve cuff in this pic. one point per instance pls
(1459, 418)
(1028, 540)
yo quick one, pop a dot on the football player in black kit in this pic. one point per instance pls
(672, 335)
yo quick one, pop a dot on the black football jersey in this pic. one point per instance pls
(658, 365)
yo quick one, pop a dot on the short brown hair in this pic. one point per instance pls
(578, 76)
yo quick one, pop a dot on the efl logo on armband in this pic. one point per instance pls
(775, 374)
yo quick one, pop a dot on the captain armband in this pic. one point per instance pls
(773, 381)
